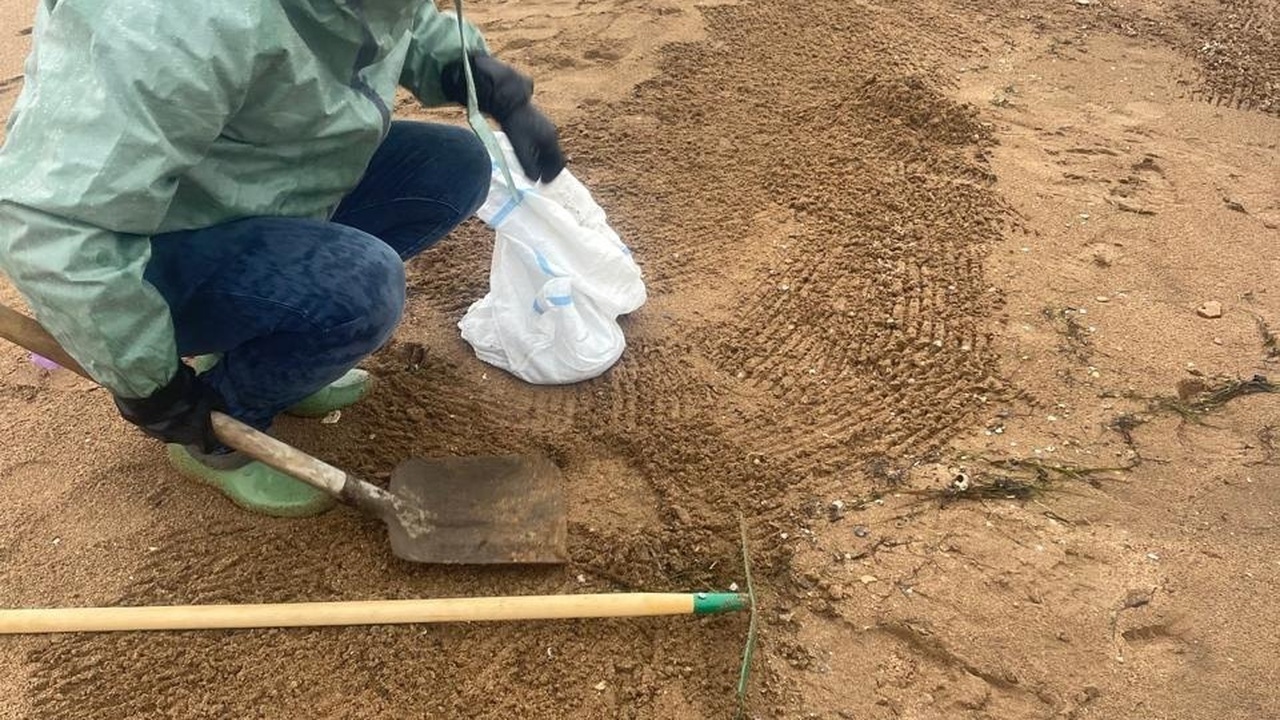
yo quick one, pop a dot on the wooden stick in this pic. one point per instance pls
(285, 458)
(25, 332)
(365, 612)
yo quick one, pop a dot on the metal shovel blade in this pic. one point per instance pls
(478, 510)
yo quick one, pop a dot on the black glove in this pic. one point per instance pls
(178, 412)
(534, 138)
(506, 95)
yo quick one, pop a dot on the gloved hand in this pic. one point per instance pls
(178, 412)
(506, 95)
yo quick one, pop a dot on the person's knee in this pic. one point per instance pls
(386, 283)
(372, 290)
(474, 169)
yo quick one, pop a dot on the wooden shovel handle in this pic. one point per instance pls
(281, 456)
(25, 332)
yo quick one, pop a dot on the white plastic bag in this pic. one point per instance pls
(559, 279)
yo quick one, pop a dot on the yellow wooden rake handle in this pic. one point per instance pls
(365, 612)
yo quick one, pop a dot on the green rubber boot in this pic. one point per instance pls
(343, 392)
(251, 485)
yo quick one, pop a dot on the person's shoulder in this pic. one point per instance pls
(165, 17)
(224, 25)
(228, 16)
(242, 15)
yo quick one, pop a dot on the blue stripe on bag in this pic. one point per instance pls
(544, 264)
(557, 300)
(500, 216)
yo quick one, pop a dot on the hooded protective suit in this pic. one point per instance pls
(244, 108)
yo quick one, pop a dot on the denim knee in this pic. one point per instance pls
(474, 169)
(460, 151)
(373, 295)
(385, 272)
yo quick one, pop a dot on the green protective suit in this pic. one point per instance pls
(149, 116)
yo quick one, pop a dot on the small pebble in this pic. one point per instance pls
(733, 587)
(600, 686)
(861, 531)
(1137, 598)
(1102, 299)
(868, 579)
(1211, 309)
(332, 418)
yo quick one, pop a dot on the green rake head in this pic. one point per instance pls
(744, 676)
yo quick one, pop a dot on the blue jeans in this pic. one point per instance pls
(292, 304)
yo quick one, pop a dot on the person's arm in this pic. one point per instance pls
(122, 98)
(435, 45)
(434, 73)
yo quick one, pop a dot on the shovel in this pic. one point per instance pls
(460, 510)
